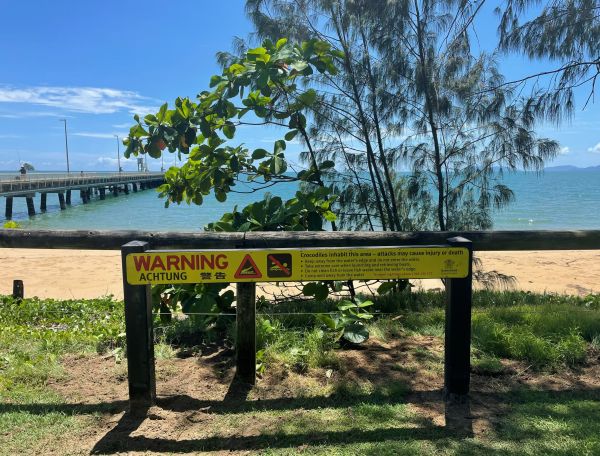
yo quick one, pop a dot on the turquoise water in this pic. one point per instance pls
(554, 200)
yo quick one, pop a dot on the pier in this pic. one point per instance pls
(63, 185)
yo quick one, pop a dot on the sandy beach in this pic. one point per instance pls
(69, 274)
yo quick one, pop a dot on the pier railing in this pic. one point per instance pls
(10, 185)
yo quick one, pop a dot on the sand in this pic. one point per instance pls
(72, 274)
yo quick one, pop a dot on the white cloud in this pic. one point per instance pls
(124, 125)
(9, 136)
(23, 114)
(92, 100)
(113, 161)
(595, 149)
(87, 134)
(564, 150)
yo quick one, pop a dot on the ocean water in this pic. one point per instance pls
(553, 200)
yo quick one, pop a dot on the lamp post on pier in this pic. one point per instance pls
(66, 145)
(118, 153)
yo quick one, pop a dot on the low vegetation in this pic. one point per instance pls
(546, 334)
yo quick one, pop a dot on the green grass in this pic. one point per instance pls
(34, 334)
(546, 331)
(343, 417)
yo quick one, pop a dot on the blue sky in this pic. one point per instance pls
(96, 63)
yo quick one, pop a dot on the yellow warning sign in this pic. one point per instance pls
(296, 265)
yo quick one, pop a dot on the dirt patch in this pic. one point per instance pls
(198, 401)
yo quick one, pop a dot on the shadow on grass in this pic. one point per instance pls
(525, 420)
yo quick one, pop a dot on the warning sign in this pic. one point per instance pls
(247, 269)
(296, 265)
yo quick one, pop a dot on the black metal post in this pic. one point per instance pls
(457, 343)
(18, 290)
(140, 337)
(246, 332)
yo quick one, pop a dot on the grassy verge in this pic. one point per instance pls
(547, 332)
(34, 334)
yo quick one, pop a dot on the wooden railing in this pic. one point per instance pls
(138, 304)
(113, 240)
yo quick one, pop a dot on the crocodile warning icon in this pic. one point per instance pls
(279, 265)
(248, 269)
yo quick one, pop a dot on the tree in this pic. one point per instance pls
(410, 89)
(566, 33)
(262, 87)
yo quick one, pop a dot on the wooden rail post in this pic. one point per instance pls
(246, 332)
(457, 343)
(140, 337)
(18, 290)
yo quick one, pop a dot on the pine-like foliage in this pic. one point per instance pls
(566, 34)
(410, 93)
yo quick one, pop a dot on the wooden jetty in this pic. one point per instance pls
(26, 186)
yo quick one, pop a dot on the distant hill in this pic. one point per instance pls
(571, 168)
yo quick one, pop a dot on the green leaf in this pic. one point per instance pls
(345, 305)
(162, 112)
(327, 164)
(386, 287)
(308, 97)
(257, 51)
(205, 128)
(321, 292)
(137, 131)
(329, 216)
(314, 221)
(279, 165)
(259, 153)
(309, 289)
(216, 79)
(220, 195)
(279, 146)
(229, 130)
(291, 135)
(280, 43)
(356, 333)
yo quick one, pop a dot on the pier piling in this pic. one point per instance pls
(89, 186)
(9, 207)
(61, 201)
(30, 206)
(43, 201)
